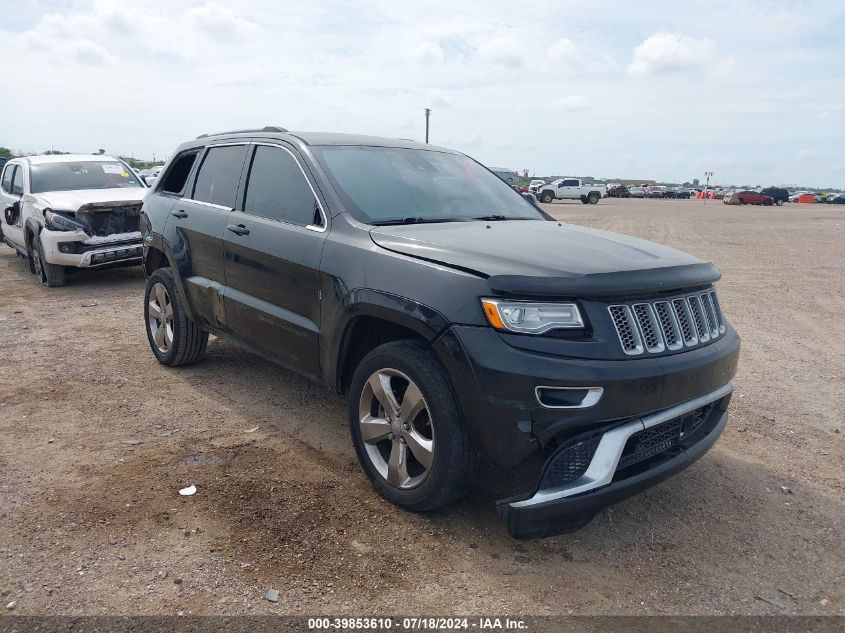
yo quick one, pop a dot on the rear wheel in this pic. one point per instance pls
(174, 338)
(50, 275)
(780, 203)
(407, 428)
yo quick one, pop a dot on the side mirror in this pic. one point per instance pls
(12, 213)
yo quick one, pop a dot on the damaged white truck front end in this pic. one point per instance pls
(96, 235)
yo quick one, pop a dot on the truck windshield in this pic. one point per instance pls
(389, 185)
(81, 175)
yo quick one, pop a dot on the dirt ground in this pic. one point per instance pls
(91, 522)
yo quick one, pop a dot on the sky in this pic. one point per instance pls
(752, 90)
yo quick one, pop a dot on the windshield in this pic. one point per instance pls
(388, 185)
(81, 175)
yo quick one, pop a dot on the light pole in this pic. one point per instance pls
(427, 115)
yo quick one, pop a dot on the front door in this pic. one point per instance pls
(11, 196)
(196, 228)
(272, 252)
(569, 189)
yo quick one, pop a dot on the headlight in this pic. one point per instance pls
(531, 318)
(58, 222)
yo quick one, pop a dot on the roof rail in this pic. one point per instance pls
(266, 128)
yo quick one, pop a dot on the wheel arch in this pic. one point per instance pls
(372, 318)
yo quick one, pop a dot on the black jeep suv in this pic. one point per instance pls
(462, 321)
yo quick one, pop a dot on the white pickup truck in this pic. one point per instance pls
(570, 189)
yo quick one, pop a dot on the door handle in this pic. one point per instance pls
(238, 229)
(179, 213)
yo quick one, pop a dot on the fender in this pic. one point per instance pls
(353, 304)
(156, 241)
(32, 226)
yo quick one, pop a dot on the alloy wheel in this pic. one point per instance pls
(160, 318)
(396, 428)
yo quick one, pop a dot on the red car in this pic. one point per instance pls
(752, 197)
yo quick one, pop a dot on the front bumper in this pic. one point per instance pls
(496, 386)
(78, 249)
(608, 477)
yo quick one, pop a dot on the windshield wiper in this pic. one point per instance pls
(415, 220)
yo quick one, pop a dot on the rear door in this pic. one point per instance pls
(197, 224)
(570, 188)
(273, 245)
(11, 194)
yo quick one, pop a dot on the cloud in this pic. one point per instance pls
(219, 21)
(572, 103)
(90, 54)
(563, 52)
(507, 51)
(428, 53)
(671, 52)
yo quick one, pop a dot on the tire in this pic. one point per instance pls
(547, 197)
(780, 203)
(452, 459)
(593, 198)
(175, 340)
(49, 275)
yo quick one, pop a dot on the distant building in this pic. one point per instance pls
(508, 175)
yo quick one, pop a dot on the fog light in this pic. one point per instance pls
(65, 247)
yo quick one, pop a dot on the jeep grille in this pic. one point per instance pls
(668, 324)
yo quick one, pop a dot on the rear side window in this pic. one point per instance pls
(177, 176)
(219, 174)
(17, 182)
(7, 178)
(278, 190)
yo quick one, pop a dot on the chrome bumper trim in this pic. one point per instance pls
(603, 465)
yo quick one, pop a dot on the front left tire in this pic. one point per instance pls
(48, 274)
(407, 428)
(174, 338)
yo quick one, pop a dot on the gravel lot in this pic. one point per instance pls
(91, 522)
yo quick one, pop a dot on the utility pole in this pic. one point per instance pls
(427, 115)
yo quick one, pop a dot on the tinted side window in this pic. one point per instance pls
(177, 175)
(570, 183)
(17, 182)
(217, 180)
(7, 178)
(278, 190)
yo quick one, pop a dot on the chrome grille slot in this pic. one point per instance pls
(711, 314)
(668, 324)
(629, 336)
(649, 327)
(698, 319)
(719, 316)
(685, 320)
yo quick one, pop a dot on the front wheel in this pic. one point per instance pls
(593, 198)
(407, 428)
(48, 274)
(547, 197)
(174, 338)
(779, 203)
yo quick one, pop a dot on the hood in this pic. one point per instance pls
(548, 258)
(73, 200)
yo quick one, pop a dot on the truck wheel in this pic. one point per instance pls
(174, 338)
(547, 197)
(50, 275)
(593, 198)
(407, 428)
(584, 200)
